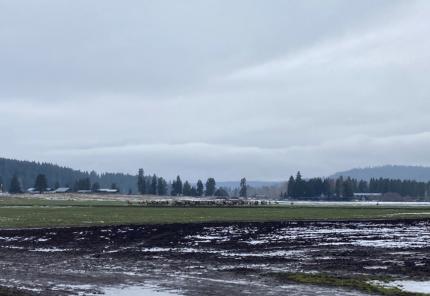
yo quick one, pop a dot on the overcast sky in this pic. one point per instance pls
(227, 89)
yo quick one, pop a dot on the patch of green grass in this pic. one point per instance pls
(362, 284)
(36, 201)
(85, 213)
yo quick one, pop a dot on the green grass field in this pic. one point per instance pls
(56, 213)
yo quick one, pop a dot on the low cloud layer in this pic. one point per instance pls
(226, 90)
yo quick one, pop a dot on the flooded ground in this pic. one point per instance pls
(402, 204)
(211, 259)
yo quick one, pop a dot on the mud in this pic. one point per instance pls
(212, 258)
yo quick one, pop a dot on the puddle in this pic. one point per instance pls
(376, 267)
(412, 286)
(49, 250)
(138, 291)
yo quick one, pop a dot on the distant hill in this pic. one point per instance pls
(26, 171)
(418, 173)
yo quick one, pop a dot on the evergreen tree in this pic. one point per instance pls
(221, 192)
(193, 191)
(187, 189)
(348, 189)
(362, 186)
(41, 184)
(210, 187)
(82, 184)
(235, 192)
(291, 192)
(161, 186)
(327, 191)
(141, 183)
(339, 188)
(178, 185)
(95, 187)
(15, 185)
(200, 188)
(299, 187)
(173, 191)
(243, 188)
(373, 186)
(153, 188)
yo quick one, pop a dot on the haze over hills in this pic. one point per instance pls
(403, 172)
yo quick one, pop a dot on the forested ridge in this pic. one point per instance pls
(17, 176)
(58, 176)
(394, 172)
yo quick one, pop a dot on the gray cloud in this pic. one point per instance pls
(214, 88)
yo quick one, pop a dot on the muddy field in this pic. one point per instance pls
(209, 259)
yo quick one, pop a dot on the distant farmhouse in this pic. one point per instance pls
(108, 191)
(101, 191)
(364, 195)
(33, 190)
(62, 190)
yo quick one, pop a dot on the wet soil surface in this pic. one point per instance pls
(210, 259)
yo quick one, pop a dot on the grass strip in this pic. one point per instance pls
(28, 213)
(93, 215)
(362, 284)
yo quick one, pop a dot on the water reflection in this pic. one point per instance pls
(138, 291)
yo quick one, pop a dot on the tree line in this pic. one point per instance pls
(16, 176)
(41, 185)
(152, 184)
(158, 186)
(26, 172)
(344, 188)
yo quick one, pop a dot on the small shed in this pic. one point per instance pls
(62, 190)
(109, 191)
